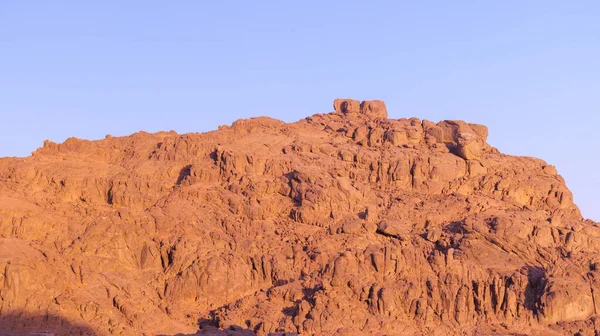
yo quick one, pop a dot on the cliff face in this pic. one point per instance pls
(344, 223)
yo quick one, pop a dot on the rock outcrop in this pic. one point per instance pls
(345, 223)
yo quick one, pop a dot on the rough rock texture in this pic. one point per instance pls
(346, 223)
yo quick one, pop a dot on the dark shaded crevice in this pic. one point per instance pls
(183, 174)
(536, 283)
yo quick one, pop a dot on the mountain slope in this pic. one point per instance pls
(346, 222)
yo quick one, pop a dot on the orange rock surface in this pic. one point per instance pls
(345, 223)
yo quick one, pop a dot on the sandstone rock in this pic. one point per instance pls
(346, 223)
(347, 106)
(373, 109)
(433, 130)
(480, 130)
(397, 137)
(467, 140)
(566, 300)
(393, 227)
(352, 226)
(434, 234)
(469, 146)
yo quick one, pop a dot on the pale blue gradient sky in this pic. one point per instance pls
(530, 70)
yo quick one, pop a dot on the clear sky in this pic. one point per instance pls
(529, 70)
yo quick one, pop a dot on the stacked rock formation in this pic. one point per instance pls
(345, 223)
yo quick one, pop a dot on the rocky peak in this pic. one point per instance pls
(344, 223)
(468, 141)
(370, 109)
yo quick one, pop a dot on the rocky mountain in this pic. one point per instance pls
(344, 223)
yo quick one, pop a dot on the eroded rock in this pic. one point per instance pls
(346, 223)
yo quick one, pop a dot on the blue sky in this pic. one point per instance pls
(529, 70)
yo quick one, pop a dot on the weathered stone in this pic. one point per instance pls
(345, 223)
(373, 109)
(347, 106)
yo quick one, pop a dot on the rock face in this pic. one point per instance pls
(346, 223)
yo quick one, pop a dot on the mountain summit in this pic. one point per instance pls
(344, 223)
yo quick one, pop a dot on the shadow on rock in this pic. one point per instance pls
(536, 283)
(210, 330)
(207, 328)
(24, 324)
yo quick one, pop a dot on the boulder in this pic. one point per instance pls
(393, 227)
(373, 109)
(370, 109)
(346, 106)
(465, 140)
